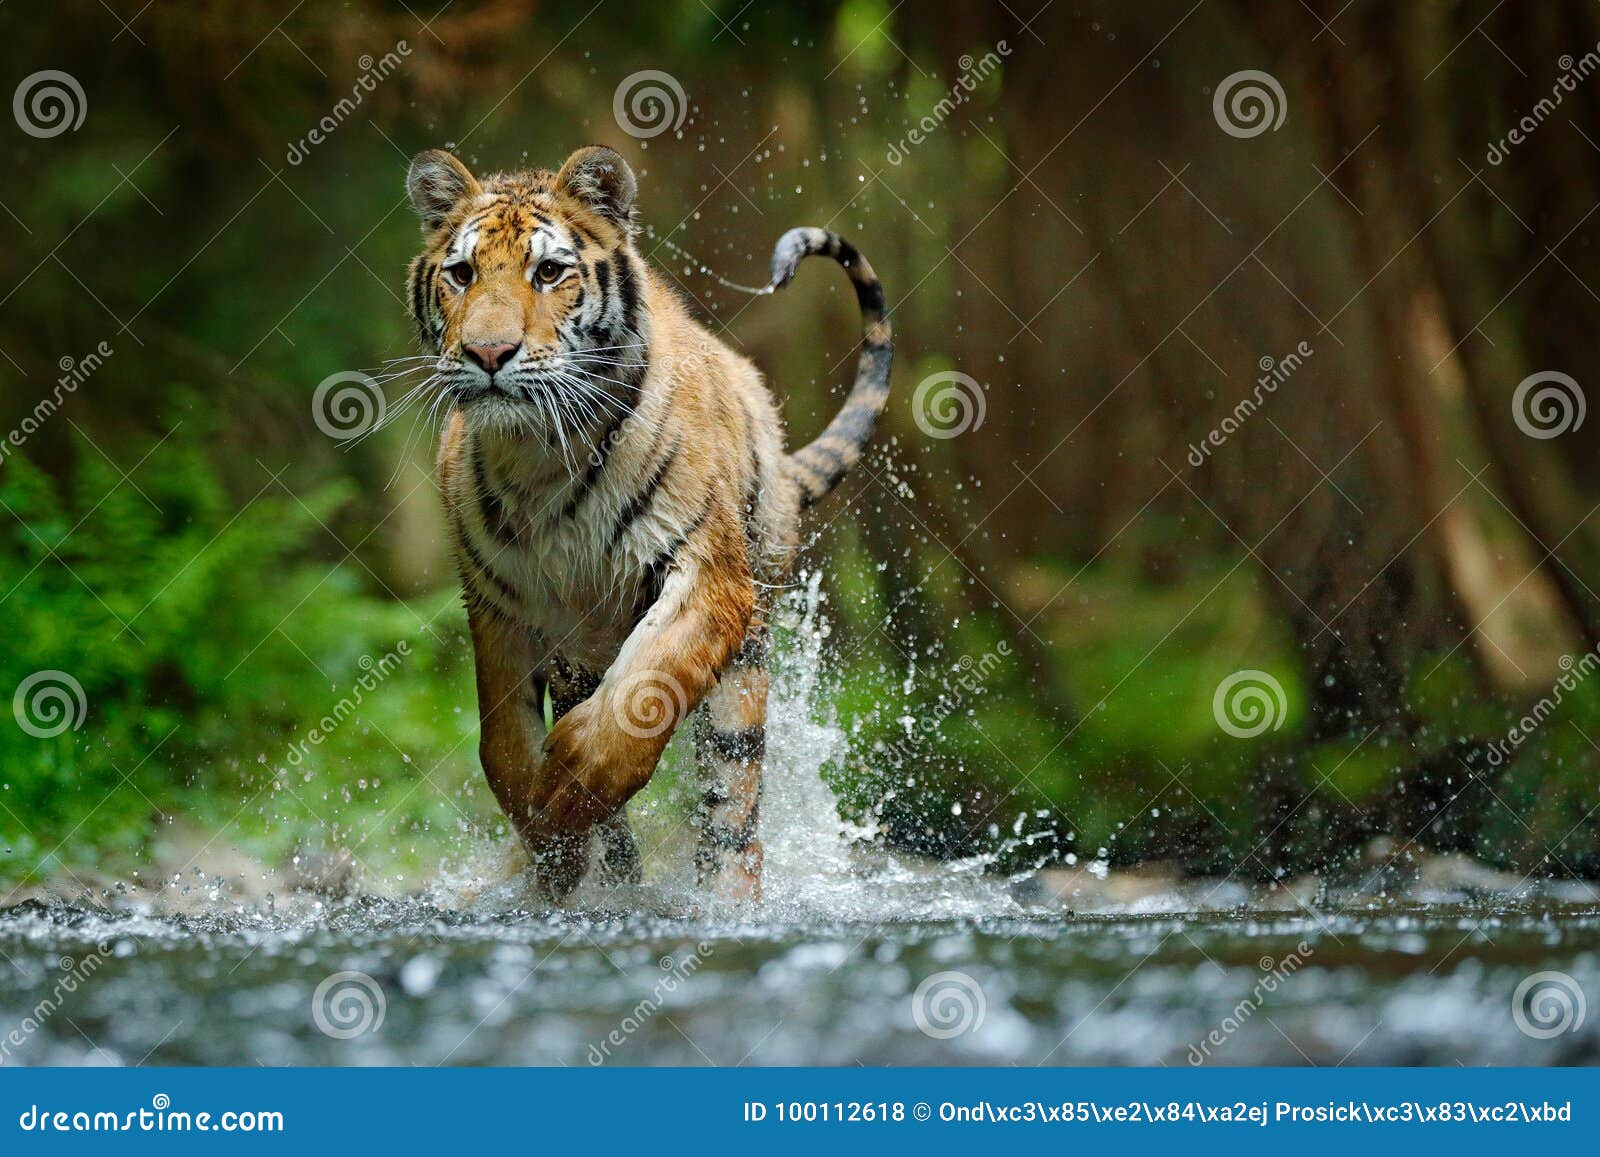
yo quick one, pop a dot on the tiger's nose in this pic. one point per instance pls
(493, 355)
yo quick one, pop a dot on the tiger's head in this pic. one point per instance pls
(529, 290)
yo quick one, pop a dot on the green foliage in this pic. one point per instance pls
(858, 32)
(200, 631)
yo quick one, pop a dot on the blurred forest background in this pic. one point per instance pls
(1080, 235)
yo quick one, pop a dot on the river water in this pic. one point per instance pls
(1391, 984)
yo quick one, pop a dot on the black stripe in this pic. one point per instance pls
(873, 368)
(723, 838)
(571, 687)
(655, 580)
(627, 290)
(825, 470)
(481, 564)
(490, 507)
(640, 502)
(433, 306)
(597, 463)
(602, 274)
(738, 746)
(823, 459)
(855, 423)
(420, 288)
(869, 294)
(655, 574)
(416, 298)
(476, 601)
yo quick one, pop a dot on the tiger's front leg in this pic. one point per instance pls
(606, 748)
(511, 687)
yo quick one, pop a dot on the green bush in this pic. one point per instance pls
(209, 642)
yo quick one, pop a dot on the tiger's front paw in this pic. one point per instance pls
(591, 767)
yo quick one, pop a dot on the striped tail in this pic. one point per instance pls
(820, 466)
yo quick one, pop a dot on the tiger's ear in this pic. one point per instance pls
(601, 179)
(437, 183)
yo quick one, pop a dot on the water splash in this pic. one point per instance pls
(806, 841)
(819, 865)
(705, 270)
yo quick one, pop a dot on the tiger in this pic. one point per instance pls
(619, 505)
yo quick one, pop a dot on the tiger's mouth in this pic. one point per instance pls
(556, 404)
(473, 390)
(492, 401)
(466, 383)
(492, 410)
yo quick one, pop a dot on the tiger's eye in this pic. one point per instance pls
(549, 272)
(460, 274)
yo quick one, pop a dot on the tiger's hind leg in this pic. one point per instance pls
(620, 861)
(730, 740)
